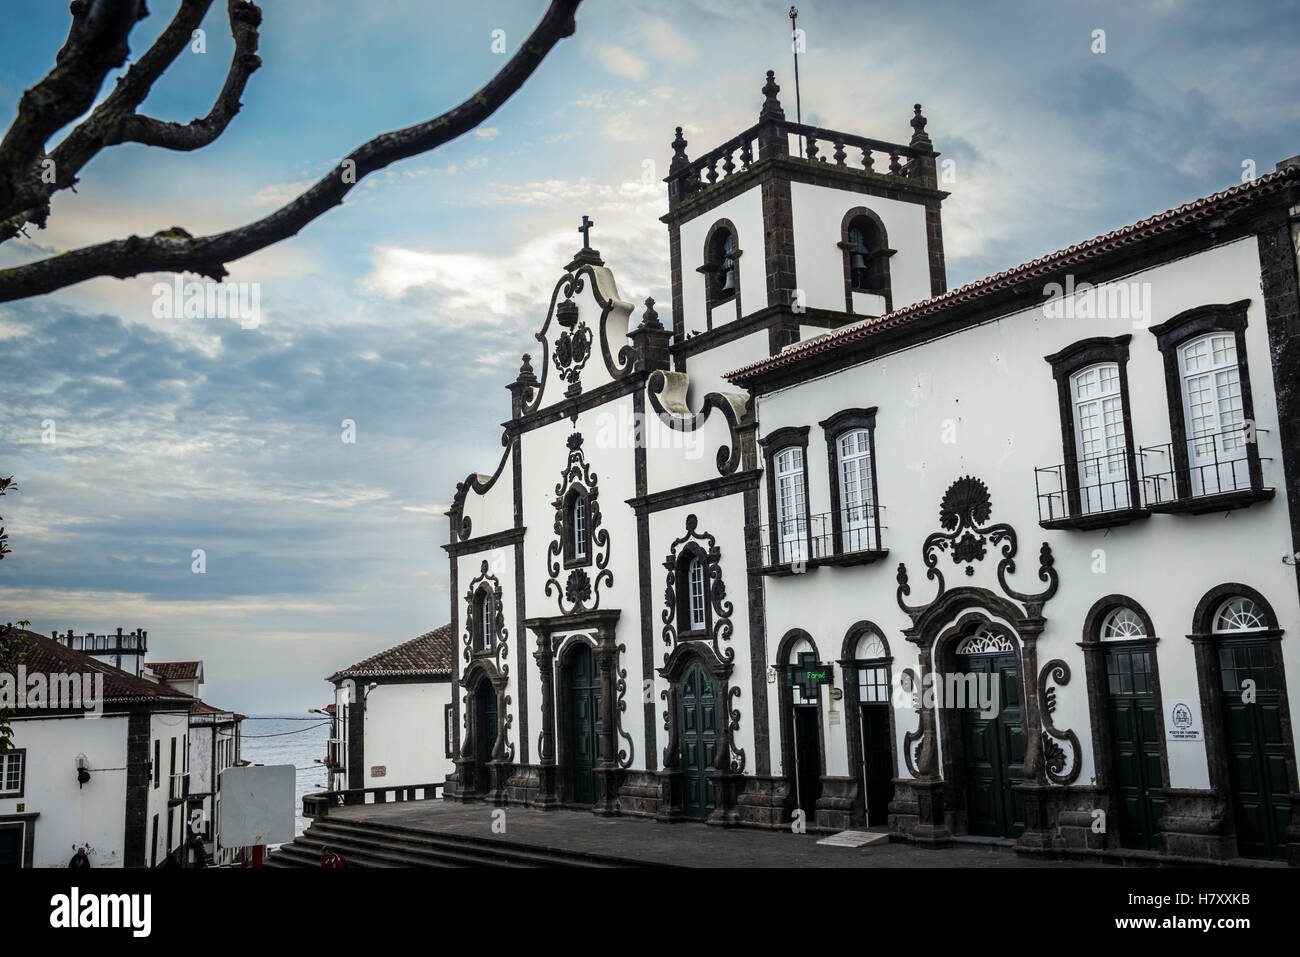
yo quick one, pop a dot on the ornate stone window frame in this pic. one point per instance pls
(1065, 364)
(1172, 334)
(834, 428)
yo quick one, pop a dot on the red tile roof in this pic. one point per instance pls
(1145, 229)
(174, 670)
(46, 656)
(428, 654)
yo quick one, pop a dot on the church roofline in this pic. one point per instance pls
(977, 292)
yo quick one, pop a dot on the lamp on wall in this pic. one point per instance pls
(83, 770)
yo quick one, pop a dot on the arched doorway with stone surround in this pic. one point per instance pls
(1247, 719)
(979, 693)
(866, 665)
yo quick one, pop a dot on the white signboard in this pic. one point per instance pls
(258, 805)
(1182, 723)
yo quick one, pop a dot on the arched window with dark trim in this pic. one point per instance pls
(484, 623)
(577, 529)
(865, 245)
(693, 591)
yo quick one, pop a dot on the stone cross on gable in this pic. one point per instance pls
(808, 674)
(585, 229)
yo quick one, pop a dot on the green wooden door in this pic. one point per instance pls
(485, 703)
(1135, 744)
(11, 847)
(584, 725)
(1256, 748)
(994, 750)
(699, 727)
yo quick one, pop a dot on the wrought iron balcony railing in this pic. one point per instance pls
(1207, 470)
(1093, 492)
(853, 536)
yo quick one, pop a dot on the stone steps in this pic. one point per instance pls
(366, 844)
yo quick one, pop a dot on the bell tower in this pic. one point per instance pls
(787, 231)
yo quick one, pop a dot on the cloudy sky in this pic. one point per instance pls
(406, 310)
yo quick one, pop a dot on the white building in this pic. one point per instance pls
(112, 783)
(716, 561)
(390, 717)
(214, 743)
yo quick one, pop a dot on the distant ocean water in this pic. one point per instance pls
(290, 739)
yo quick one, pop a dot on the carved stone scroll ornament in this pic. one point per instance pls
(1057, 758)
(620, 687)
(963, 512)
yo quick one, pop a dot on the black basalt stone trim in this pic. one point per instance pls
(1280, 285)
(572, 407)
(675, 263)
(357, 738)
(778, 246)
(521, 650)
(755, 601)
(482, 543)
(644, 588)
(780, 316)
(793, 169)
(138, 777)
(454, 600)
(704, 491)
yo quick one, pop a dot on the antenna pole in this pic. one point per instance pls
(794, 46)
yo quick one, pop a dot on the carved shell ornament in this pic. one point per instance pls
(965, 508)
(966, 504)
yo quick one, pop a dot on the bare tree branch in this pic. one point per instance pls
(97, 43)
(115, 120)
(175, 250)
(244, 21)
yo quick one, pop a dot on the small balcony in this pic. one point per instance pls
(851, 537)
(334, 754)
(1213, 472)
(178, 786)
(1092, 493)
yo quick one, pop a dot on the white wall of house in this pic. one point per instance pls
(404, 736)
(92, 815)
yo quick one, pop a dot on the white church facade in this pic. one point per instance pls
(843, 547)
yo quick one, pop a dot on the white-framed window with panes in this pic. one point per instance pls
(857, 503)
(486, 641)
(13, 767)
(695, 594)
(1214, 411)
(791, 506)
(1101, 445)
